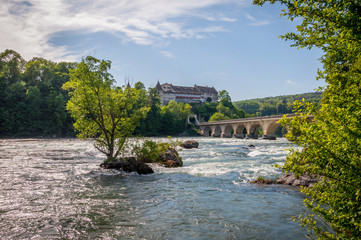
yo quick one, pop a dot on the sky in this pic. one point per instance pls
(231, 45)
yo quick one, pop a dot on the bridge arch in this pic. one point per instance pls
(271, 128)
(252, 130)
(240, 131)
(207, 131)
(217, 131)
(227, 131)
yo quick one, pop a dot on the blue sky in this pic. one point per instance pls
(228, 44)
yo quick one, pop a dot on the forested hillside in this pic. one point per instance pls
(275, 105)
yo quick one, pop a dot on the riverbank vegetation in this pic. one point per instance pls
(332, 141)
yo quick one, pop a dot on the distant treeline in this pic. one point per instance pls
(275, 105)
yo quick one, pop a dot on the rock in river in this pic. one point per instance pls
(171, 158)
(128, 164)
(190, 144)
(303, 180)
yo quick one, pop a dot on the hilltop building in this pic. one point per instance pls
(168, 92)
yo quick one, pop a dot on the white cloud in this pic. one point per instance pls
(256, 22)
(250, 17)
(28, 26)
(166, 54)
(227, 19)
(290, 82)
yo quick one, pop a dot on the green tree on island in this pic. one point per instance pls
(332, 141)
(102, 111)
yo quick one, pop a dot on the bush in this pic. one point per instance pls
(150, 151)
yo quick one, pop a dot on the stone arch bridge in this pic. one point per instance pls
(243, 127)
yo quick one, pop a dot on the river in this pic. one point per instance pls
(55, 189)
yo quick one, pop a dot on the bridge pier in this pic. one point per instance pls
(252, 136)
(269, 137)
(238, 135)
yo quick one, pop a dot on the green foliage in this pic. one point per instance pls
(12, 66)
(167, 120)
(204, 110)
(139, 85)
(331, 140)
(100, 110)
(175, 117)
(218, 117)
(150, 151)
(225, 109)
(32, 102)
(224, 96)
(150, 126)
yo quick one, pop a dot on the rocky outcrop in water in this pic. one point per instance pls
(189, 144)
(291, 179)
(263, 181)
(170, 158)
(128, 164)
(131, 164)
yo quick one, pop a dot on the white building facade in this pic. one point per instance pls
(168, 92)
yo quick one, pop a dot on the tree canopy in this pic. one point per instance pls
(102, 111)
(225, 109)
(332, 141)
(32, 102)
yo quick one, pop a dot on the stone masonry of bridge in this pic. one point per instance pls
(242, 128)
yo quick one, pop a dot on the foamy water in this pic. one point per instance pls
(55, 189)
(221, 156)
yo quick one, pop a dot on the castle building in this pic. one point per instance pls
(168, 92)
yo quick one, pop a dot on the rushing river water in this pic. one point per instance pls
(55, 189)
